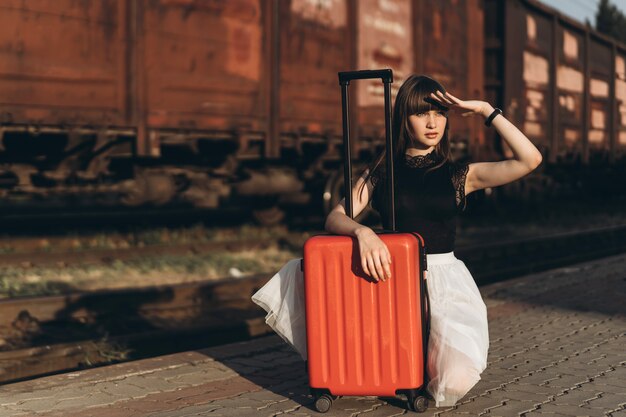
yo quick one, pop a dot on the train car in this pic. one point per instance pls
(209, 103)
(564, 85)
(235, 103)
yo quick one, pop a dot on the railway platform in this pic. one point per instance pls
(557, 349)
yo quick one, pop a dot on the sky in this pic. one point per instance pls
(581, 9)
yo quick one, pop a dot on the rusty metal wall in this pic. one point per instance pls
(202, 65)
(384, 40)
(63, 62)
(571, 86)
(620, 97)
(600, 73)
(493, 68)
(313, 39)
(537, 82)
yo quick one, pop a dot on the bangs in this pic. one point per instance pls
(419, 100)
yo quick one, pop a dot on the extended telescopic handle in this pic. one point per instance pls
(386, 75)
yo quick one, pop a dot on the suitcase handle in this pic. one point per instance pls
(386, 75)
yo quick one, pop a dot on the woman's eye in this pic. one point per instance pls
(424, 114)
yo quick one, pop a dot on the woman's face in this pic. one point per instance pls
(428, 128)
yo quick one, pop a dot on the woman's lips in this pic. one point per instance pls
(431, 135)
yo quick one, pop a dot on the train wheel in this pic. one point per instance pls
(153, 188)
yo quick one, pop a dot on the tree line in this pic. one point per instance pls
(611, 21)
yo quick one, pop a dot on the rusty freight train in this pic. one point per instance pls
(222, 103)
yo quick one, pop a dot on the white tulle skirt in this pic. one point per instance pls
(459, 337)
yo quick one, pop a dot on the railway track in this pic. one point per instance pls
(97, 256)
(79, 330)
(60, 219)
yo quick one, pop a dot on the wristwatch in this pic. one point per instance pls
(492, 116)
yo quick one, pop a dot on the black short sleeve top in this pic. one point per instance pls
(426, 202)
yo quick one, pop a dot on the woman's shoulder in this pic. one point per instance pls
(377, 174)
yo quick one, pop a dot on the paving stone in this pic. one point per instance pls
(539, 378)
(147, 405)
(193, 411)
(574, 397)
(152, 384)
(611, 378)
(81, 402)
(355, 405)
(243, 348)
(512, 394)
(454, 413)
(569, 410)
(480, 404)
(607, 401)
(265, 396)
(196, 378)
(9, 413)
(35, 406)
(539, 413)
(17, 398)
(227, 412)
(385, 410)
(97, 412)
(121, 390)
(607, 387)
(512, 408)
(567, 381)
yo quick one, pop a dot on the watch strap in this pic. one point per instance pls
(492, 116)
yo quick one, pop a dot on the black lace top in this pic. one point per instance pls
(426, 203)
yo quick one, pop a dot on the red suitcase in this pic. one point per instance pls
(365, 337)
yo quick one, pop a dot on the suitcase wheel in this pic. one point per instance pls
(323, 403)
(418, 404)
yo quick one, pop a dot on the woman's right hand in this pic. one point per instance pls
(375, 256)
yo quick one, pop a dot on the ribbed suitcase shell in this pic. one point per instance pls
(364, 337)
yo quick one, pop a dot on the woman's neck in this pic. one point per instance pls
(417, 152)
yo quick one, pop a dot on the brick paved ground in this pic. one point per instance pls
(557, 349)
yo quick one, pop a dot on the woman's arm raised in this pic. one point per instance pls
(375, 257)
(526, 157)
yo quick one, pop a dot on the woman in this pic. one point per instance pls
(430, 192)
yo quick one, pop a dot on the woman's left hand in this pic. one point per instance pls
(472, 106)
(480, 175)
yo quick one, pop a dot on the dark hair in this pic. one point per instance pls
(413, 97)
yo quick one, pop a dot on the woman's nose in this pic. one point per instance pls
(432, 121)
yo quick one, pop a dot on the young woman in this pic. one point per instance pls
(430, 192)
